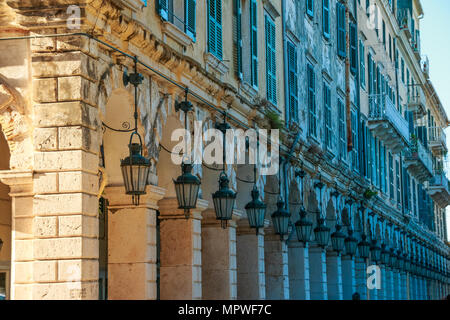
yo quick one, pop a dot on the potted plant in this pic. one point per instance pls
(369, 193)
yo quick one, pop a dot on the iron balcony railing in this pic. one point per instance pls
(418, 152)
(166, 11)
(440, 180)
(436, 135)
(382, 108)
(416, 99)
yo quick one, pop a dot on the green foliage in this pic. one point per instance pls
(369, 193)
(274, 120)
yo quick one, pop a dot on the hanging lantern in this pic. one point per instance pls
(303, 227)
(385, 255)
(186, 187)
(280, 219)
(322, 233)
(364, 247)
(351, 244)
(256, 210)
(224, 200)
(375, 251)
(135, 170)
(338, 239)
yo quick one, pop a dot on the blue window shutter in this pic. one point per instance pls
(310, 8)
(215, 27)
(237, 38)
(353, 49)
(312, 124)
(293, 81)
(326, 18)
(190, 6)
(254, 42)
(163, 9)
(340, 12)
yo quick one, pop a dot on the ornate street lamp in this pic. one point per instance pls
(256, 210)
(135, 168)
(224, 198)
(280, 219)
(375, 251)
(363, 247)
(187, 185)
(338, 239)
(322, 233)
(351, 244)
(303, 227)
(385, 255)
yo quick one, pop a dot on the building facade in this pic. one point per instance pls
(362, 150)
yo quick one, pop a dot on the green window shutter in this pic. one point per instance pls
(293, 81)
(215, 27)
(189, 6)
(312, 124)
(342, 131)
(310, 8)
(237, 38)
(362, 59)
(326, 18)
(254, 42)
(327, 115)
(270, 60)
(353, 49)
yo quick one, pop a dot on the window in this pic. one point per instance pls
(271, 70)
(312, 115)
(353, 49)
(383, 167)
(362, 62)
(237, 18)
(403, 70)
(355, 162)
(292, 81)
(310, 8)
(179, 12)
(326, 18)
(254, 43)
(340, 12)
(370, 73)
(327, 115)
(215, 28)
(384, 34)
(391, 176)
(342, 131)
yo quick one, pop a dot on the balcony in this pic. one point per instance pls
(418, 161)
(437, 141)
(439, 190)
(405, 21)
(386, 123)
(425, 64)
(416, 45)
(416, 101)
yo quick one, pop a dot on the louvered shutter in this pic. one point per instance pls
(163, 9)
(237, 38)
(270, 60)
(254, 42)
(215, 27)
(190, 6)
(293, 82)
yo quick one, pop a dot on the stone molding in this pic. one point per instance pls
(168, 208)
(176, 34)
(20, 182)
(118, 199)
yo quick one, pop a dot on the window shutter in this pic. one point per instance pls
(311, 101)
(310, 7)
(293, 82)
(270, 60)
(254, 42)
(189, 6)
(215, 27)
(163, 9)
(326, 18)
(340, 11)
(362, 57)
(238, 38)
(353, 50)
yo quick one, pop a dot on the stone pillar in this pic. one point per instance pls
(318, 273)
(181, 251)
(298, 271)
(276, 266)
(250, 263)
(219, 265)
(396, 281)
(361, 278)
(132, 244)
(382, 291)
(334, 276)
(348, 277)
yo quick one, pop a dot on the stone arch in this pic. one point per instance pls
(346, 219)
(16, 126)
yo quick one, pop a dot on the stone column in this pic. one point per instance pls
(318, 273)
(403, 286)
(348, 277)
(361, 278)
(276, 266)
(382, 291)
(250, 263)
(132, 244)
(219, 265)
(334, 276)
(298, 271)
(181, 251)
(396, 281)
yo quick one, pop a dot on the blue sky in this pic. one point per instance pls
(435, 38)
